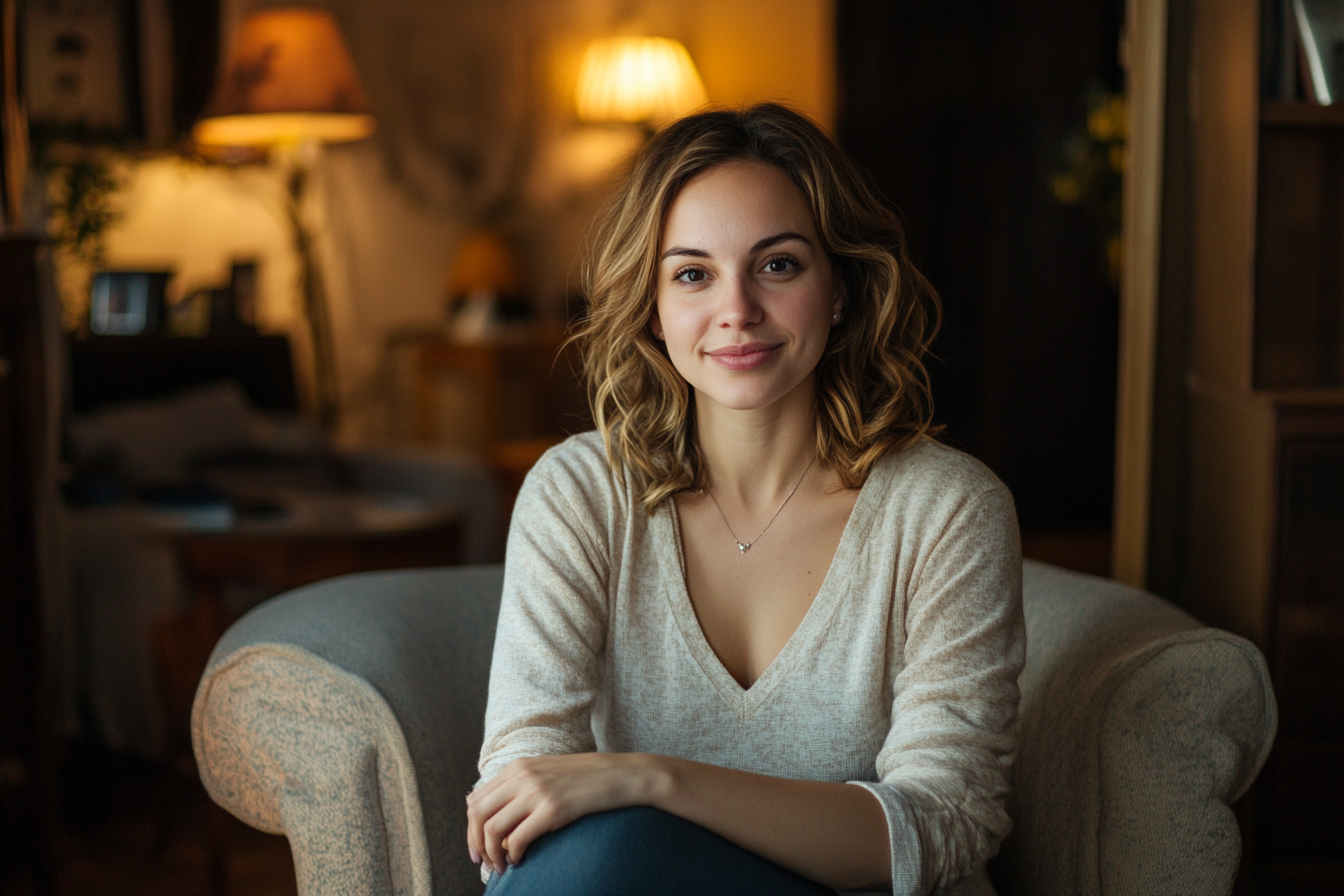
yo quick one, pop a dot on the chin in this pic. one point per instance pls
(743, 399)
(748, 391)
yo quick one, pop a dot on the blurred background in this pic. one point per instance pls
(285, 291)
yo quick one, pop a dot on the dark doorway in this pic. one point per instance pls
(958, 109)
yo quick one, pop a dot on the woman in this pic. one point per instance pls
(759, 611)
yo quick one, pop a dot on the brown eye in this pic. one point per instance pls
(780, 265)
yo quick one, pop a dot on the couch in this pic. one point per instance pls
(347, 715)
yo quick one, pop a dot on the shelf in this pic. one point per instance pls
(1308, 396)
(1288, 114)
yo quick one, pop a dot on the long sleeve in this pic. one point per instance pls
(552, 620)
(944, 767)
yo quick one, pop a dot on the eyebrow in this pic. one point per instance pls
(763, 243)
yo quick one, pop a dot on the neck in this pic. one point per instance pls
(756, 457)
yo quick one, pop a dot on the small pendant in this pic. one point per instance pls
(742, 547)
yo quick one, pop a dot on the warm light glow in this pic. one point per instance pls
(637, 80)
(485, 263)
(275, 127)
(288, 78)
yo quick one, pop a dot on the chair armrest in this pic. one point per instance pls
(348, 716)
(1139, 728)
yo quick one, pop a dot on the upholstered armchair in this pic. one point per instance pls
(347, 716)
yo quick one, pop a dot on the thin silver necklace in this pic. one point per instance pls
(741, 546)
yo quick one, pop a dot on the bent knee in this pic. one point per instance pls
(647, 851)
(606, 853)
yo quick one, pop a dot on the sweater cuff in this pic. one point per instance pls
(907, 854)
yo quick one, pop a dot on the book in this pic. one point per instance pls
(1320, 34)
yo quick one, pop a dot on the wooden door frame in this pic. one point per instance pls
(1145, 51)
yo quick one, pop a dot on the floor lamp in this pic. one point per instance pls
(287, 81)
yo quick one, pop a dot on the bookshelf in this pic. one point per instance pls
(1266, 392)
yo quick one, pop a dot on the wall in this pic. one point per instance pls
(753, 50)
(959, 112)
(197, 218)
(479, 86)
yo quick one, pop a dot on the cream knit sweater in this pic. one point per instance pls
(902, 676)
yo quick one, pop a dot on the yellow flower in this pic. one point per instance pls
(1066, 189)
(1099, 124)
(1107, 122)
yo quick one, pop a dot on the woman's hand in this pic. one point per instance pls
(532, 796)
(835, 834)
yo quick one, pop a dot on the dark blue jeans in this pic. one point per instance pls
(644, 852)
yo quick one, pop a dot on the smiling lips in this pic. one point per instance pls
(745, 356)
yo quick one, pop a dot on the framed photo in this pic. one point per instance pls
(127, 303)
(118, 70)
(75, 65)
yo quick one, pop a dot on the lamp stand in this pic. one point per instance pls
(316, 312)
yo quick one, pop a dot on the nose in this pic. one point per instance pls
(739, 305)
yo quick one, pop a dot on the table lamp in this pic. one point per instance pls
(637, 80)
(484, 285)
(288, 80)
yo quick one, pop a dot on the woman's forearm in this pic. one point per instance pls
(835, 834)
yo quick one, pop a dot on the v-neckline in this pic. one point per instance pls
(824, 602)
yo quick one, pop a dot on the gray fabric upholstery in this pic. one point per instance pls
(1139, 728)
(348, 716)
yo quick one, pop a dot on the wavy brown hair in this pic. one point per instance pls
(872, 389)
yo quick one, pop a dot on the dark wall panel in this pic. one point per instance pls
(958, 109)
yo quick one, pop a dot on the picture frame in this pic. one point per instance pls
(121, 72)
(127, 303)
(77, 67)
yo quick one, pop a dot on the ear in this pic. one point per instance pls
(838, 304)
(656, 325)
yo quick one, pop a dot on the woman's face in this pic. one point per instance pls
(746, 294)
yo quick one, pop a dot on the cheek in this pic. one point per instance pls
(679, 328)
(813, 318)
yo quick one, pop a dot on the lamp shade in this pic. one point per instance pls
(288, 77)
(485, 262)
(637, 80)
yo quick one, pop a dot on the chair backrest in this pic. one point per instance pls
(1139, 728)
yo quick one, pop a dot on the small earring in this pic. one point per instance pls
(835, 318)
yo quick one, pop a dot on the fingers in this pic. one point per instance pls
(487, 822)
(529, 829)
(501, 838)
(499, 826)
(534, 795)
(479, 811)
(492, 813)
(473, 834)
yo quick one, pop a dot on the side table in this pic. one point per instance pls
(518, 385)
(319, 536)
(506, 399)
